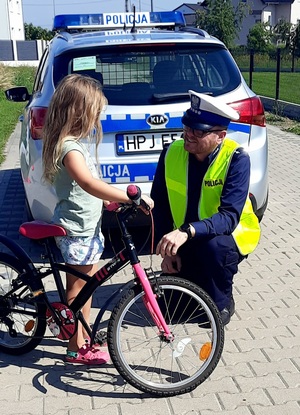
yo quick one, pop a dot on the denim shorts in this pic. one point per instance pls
(80, 250)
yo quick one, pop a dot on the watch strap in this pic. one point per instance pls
(187, 229)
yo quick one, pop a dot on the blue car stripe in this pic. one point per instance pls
(126, 122)
(134, 172)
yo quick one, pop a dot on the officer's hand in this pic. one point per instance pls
(169, 243)
(147, 204)
(171, 265)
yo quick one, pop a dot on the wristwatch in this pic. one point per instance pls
(186, 227)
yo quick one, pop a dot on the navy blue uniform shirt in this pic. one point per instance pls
(234, 194)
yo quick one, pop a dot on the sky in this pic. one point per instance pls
(41, 12)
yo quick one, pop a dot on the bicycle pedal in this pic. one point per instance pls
(100, 338)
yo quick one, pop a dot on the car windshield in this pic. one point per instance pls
(146, 74)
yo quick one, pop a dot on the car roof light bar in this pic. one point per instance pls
(103, 21)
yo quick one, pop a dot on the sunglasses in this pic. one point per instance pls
(198, 133)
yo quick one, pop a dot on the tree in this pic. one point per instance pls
(295, 39)
(37, 32)
(259, 37)
(282, 33)
(295, 43)
(222, 20)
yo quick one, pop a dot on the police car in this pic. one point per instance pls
(146, 62)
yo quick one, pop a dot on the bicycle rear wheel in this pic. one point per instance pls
(148, 361)
(22, 320)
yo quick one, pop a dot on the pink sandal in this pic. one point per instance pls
(87, 356)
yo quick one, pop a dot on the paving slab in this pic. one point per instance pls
(259, 372)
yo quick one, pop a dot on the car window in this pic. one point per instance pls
(40, 75)
(150, 75)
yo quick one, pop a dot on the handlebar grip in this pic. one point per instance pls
(134, 193)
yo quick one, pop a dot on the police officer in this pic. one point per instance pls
(204, 221)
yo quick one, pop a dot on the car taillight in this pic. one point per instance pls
(37, 120)
(251, 111)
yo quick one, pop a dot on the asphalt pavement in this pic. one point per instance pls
(259, 372)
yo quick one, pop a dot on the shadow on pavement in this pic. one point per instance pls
(14, 212)
(102, 381)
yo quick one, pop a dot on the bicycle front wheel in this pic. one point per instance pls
(150, 362)
(22, 319)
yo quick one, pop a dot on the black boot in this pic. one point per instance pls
(227, 312)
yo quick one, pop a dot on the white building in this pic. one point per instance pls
(12, 25)
(295, 12)
(261, 11)
(189, 11)
(268, 11)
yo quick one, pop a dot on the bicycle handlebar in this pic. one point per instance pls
(134, 193)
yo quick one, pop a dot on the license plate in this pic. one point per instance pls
(145, 142)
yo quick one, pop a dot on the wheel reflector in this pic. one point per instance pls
(205, 351)
(29, 326)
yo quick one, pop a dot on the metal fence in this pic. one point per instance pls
(21, 51)
(276, 61)
(266, 62)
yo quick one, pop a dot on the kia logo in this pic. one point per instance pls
(157, 120)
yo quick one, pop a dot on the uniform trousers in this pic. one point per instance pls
(211, 264)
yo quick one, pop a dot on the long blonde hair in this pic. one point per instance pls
(74, 111)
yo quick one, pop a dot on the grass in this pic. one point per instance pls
(283, 123)
(266, 61)
(263, 83)
(10, 111)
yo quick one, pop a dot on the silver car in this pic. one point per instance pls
(146, 63)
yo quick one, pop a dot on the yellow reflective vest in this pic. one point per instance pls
(247, 232)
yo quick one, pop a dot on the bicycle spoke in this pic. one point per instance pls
(21, 324)
(147, 359)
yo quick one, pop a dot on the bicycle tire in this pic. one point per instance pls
(150, 363)
(26, 330)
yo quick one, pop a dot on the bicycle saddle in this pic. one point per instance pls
(39, 230)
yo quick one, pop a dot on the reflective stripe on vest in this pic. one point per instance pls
(247, 233)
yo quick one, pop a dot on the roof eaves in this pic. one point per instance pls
(192, 6)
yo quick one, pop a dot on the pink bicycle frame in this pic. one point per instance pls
(151, 303)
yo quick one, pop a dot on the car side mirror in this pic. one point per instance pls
(17, 94)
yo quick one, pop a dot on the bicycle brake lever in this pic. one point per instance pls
(145, 205)
(113, 207)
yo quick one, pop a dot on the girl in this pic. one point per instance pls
(73, 116)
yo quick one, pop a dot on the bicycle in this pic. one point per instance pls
(165, 335)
